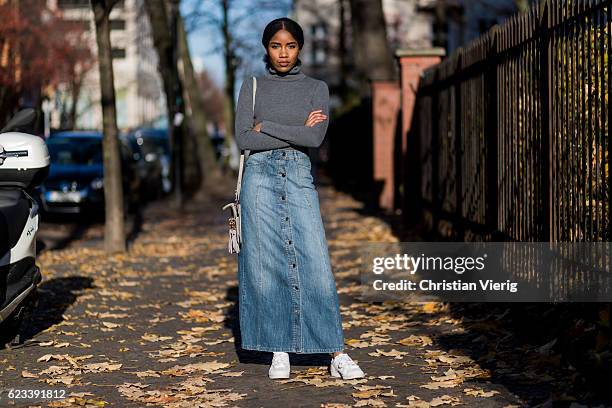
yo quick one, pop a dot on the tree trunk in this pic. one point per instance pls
(344, 68)
(75, 90)
(230, 74)
(162, 39)
(160, 30)
(190, 169)
(204, 145)
(373, 55)
(114, 232)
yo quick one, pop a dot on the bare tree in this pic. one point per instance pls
(198, 112)
(114, 232)
(80, 61)
(39, 50)
(373, 55)
(342, 50)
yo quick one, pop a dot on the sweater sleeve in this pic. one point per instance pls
(303, 135)
(246, 138)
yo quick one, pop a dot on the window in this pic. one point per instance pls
(118, 53)
(117, 24)
(319, 43)
(63, 4)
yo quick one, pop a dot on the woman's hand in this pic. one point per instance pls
(316, 116)
(257, 127)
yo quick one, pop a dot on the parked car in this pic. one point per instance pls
(154, 150)
(76, 175)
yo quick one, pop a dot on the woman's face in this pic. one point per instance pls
(283, 51)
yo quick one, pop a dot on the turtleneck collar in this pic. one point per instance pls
(294, 74)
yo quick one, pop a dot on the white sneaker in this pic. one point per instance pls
(280, 365)
(344, 366)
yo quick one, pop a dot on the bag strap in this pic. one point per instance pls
(243, 157)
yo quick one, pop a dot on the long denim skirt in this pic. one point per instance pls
(287, 292)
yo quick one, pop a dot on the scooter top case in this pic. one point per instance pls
(24, 160)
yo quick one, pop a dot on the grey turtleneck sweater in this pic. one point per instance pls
(282, 103)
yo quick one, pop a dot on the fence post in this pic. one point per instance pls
(608, 236)
(492, 135)
(435, 156)
(546, 100)
(459, 219)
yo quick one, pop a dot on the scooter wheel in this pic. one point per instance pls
(11, 329)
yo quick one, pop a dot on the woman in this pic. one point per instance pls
(287, 293)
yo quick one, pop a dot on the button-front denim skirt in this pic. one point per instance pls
(287, 292)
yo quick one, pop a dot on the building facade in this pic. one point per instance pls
(410, 24)
(138, 86)
(327, 22)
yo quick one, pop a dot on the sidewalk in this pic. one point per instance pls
(157, 326)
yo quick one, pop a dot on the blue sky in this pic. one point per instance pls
(203, 40)
(199, 45)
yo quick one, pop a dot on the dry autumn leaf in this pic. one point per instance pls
(27, 374)
(479, 392)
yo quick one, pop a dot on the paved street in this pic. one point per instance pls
(158, 326)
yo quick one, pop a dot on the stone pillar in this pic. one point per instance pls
(385, 112)
(412, 64)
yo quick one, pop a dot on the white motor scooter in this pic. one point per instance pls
(24, 163)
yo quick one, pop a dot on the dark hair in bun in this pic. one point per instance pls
(283, 23)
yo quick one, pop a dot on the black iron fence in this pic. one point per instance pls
(511, 132)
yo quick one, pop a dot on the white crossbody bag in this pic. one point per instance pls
(234, 221)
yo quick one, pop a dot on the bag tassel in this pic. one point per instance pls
(233, 245)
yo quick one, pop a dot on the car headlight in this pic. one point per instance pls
(97, 183)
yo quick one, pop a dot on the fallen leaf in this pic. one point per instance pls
(27, 374)
(479, 392)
